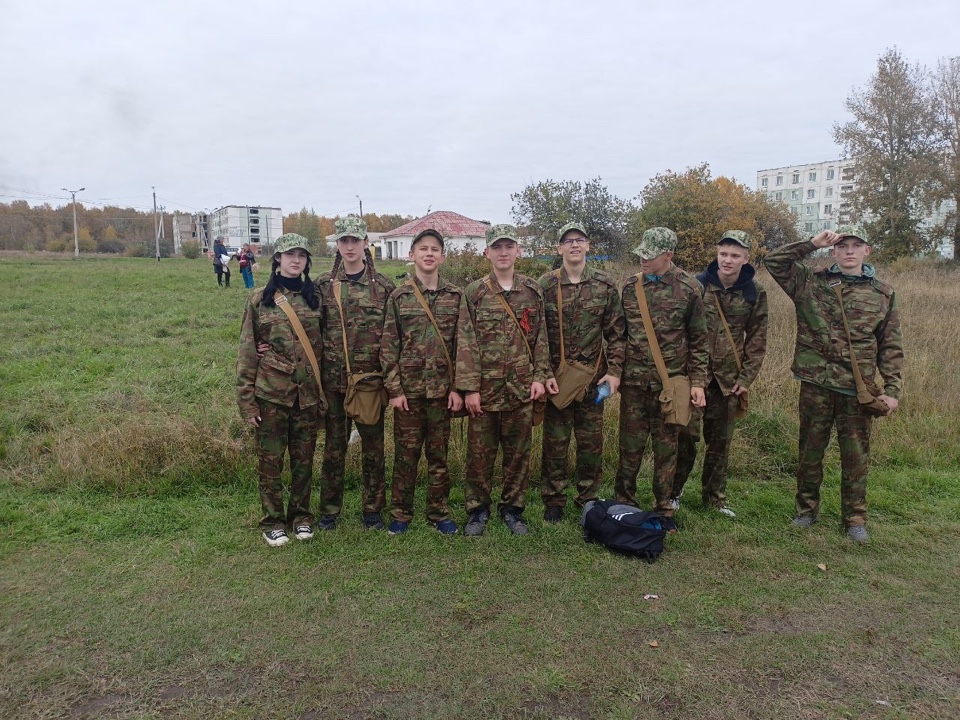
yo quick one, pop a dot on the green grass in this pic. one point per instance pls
(135, 584)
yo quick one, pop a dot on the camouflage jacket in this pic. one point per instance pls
(680, 322)
(592, 314)
(284, 374)
(822, 353)
(492, 357)
(413, 362)
(364, 303)
(748, 326)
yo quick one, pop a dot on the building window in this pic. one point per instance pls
(828, 209)
(808, 227)
(847, 173)
(809, 209)
(254, 231)
(779, 196)
(828, 225)
(763, 182)
(254, 221)
(794, 194)
(795, 210)
(779, 179)
(811, 194)
(812, 177)
(830, 174)
(846, 188)
(796, 178)
(254, 211)
(829, 191)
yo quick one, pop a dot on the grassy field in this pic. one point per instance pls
(134, 583)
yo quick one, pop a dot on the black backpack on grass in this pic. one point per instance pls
(625, 529)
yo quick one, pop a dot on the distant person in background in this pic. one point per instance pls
(247, 259)
(221, 262)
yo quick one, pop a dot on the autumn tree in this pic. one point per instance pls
(946, 99)
(895, 145)
(544, 207)
(700, 208)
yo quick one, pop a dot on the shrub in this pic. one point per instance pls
(190, 249)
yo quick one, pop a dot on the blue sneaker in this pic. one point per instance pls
(398, 527)
(372, 521)
(327, 522)
(445, 527)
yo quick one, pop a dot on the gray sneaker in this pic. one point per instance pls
(477, 523)
(515, 523)
(858, 534)
(804, 521)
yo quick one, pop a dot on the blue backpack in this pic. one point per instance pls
(625, 529)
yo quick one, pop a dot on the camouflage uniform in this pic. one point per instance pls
(592, 314)
(280, 388)
(364, 303)
(744, 306)
(414, 366)
(679, 320)
(821, 362)
(492, 359)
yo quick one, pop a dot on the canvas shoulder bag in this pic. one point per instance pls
(539, 406)
(866, 396)
(675, 396)
(433, 321)
(366, 396)
(743, 402)
(281, 301)
(573, 378)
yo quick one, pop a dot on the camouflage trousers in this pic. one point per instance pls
(425, 426)
(717, 433)
(285, 429)
(585, 420)
(820, 410)
(374, 489)
(642, 418)
(512, 431)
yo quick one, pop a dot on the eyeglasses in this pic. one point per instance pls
(575, 241)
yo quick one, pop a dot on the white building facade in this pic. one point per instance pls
(459, 233)
(242, 224)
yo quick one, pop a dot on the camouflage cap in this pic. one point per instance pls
(350, 226)
(655, 242)
(740, 237)
(568, 227)
(291, 241)
(432, 232)
(501, 232)
(852, 231)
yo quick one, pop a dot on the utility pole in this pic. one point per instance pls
(361, 205)
(76, 236)
(156, 227)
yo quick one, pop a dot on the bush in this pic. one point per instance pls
(55, 245)
(114, 247)
(462, 267)
(190, 249)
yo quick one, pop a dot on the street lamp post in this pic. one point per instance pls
(361, 205)
(76, 236)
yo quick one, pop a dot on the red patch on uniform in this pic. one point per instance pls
(525, 320)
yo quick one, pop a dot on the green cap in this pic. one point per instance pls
(568, 227)
(738, 236)
(291, 241)
(852, 231)
(351, 226)
(501, 232)
(655, 242)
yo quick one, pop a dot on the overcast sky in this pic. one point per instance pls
(410, 105)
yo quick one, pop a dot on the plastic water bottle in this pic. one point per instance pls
(603, 392)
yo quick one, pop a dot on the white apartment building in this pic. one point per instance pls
(242, 224)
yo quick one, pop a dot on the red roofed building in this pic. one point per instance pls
(458, 231)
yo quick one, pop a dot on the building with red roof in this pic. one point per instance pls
(459, 232)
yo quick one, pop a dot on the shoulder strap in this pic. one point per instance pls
(343, 323)
(648, 328)
(433, 321)
(506, 306)
(863, 395)
(563, 350)
(281, 300)
(726, 328)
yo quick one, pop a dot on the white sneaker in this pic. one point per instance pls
(303, 532)
(726, 511)
(354, 437)
(674, 503)
(276, 538)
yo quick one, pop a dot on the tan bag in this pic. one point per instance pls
(675, 396)
(743, 403)
(870, 404)
(573, 378)
(366, 396)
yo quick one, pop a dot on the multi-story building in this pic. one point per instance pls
(818, 194)
(241, 224)
(190, 227)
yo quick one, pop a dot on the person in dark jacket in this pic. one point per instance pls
(221, 262)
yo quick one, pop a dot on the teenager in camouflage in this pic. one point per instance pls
(822, 362)
(676, 308)
(279, 393)
(593, 334)
(731, 295)
(503, 365)
(364, 295)
(418, 376)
